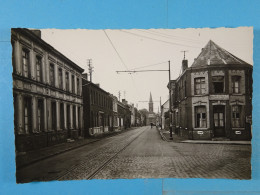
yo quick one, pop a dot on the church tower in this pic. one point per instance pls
(150, 103)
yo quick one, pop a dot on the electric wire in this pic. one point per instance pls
(158, 39)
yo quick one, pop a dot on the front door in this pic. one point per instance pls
(219, 121)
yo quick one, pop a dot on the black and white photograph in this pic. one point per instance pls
(132, 103)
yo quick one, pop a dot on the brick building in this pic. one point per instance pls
(213, 98)
(47, 93)
(98, 109)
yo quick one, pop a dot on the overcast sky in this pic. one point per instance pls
(117, 50)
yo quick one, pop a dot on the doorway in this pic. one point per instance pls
(219, 121)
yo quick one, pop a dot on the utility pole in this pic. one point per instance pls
(90, 68)
(169, 70)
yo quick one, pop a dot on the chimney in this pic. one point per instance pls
(184, 65)
(37, 33)
(124, 101)
(85, 76)
(97, 84)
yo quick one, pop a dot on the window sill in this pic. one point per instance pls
(200, 129)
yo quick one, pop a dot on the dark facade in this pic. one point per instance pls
(213, 98)
(48, 106)
(98, 109)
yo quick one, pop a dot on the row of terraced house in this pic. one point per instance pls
(54, 101)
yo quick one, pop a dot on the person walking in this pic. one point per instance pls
(151, 125)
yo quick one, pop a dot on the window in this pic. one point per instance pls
(200, 87)
(200, 117)
(60, 79)
(61, 115)
(74, 116)
(73, 83)
(52, 74)
(26, 68)
(68, 117)
(67, 81)
(236, 116)
(27, 115)
(218, 84)
(38, 68)
(40, 115)
(236, 84)
(78, 86)
(53, 115)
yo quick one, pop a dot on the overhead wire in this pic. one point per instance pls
(169, 36)
(172, 43)
(121, 60)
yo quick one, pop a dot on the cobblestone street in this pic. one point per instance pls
(141, 153)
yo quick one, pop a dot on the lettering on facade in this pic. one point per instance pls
(238, 132)
(219, 97)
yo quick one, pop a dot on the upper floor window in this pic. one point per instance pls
(67, 81)
(78, 86)
(200, 117)
(200, 86)
(236, 84)
(38, 68)
(73, 83)
(218, 84)
(52, 76)
(60, 78)
(26, 65)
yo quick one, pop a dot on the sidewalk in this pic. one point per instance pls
(30, 157)
(165, 134)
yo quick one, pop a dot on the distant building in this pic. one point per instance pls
(164, 109)
(47, 92)
(98, 109)
(151, 118)
(212, 99)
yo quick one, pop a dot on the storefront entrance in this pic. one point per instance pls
(219, 121)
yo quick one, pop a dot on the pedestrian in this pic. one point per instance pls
(151, 125)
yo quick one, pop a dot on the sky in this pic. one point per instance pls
(143, 49)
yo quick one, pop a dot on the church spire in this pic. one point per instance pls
(150, 100)
(150, 103)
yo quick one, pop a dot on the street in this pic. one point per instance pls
(141, 153)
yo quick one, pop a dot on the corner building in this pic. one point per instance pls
(47, 90)
(212, 99)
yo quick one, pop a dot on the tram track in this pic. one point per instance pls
(97, 170)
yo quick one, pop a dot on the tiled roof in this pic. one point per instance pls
(212, 54)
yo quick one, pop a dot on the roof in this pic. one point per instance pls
(34, 37)
(212, 54)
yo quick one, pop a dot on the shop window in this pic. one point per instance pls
(200, 117)
(218, 84)
(26, 63)
(236, 116)
(236, 84)
(61, 115)
(53, 115)
(60, 78)
(38, 68)
(52, 76)
(200, 86)
(27, 115)
(40, 115)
